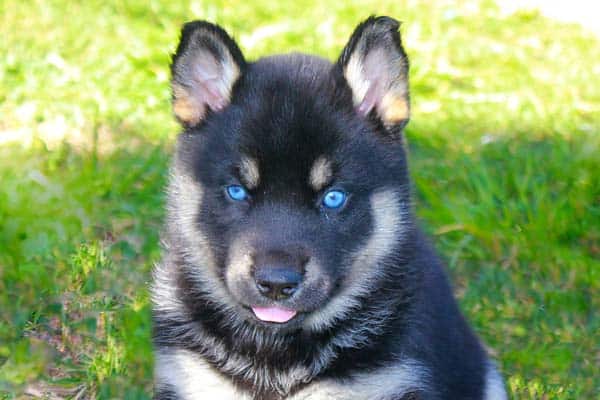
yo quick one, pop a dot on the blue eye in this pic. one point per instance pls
(334, 199)
(237, 192)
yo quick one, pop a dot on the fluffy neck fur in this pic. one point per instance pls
(272, 364)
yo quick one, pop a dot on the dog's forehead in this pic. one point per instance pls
(289, 128)
(254, 173)
(288, 153)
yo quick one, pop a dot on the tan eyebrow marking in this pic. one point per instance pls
(249, 172)
(320, 173)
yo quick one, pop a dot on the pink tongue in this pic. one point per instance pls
(273, 314)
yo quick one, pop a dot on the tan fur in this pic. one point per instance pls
(388, 220)
(393, 108)
(193, 379)
(184, 200)
(239, 265)
(201, 82)
(320, 173)
(185, 107)
(249, 172)
(393, 380)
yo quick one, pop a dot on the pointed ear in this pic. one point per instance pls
(375, 67)
(205, 67)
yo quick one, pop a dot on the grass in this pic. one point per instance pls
(504, 146)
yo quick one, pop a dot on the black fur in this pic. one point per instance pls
(285, 112)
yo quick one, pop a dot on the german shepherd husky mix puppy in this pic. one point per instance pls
(293, 267)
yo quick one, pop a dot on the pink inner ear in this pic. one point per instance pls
(210, 94)
(377, 76)
(369, 101)
(210, 91)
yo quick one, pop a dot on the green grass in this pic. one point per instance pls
(504, 148)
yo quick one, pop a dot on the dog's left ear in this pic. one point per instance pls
(375, 67)
(205, 68)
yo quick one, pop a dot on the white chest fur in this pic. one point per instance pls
(193, 379)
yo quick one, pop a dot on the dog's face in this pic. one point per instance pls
(289, 189)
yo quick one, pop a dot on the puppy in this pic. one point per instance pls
(293, 267)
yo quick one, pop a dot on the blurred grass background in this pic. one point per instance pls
(504, 146)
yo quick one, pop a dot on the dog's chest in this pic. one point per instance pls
(191, 378)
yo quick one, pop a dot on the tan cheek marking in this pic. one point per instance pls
(249, 172)
(388, 228)
(240, 264)
(320, 173)
(393, 108)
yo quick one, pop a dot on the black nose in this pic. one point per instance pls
(277, 283)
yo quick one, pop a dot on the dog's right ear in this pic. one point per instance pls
(205, 67)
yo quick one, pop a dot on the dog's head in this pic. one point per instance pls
(289, 189)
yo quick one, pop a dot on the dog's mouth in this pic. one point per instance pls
(275, 314)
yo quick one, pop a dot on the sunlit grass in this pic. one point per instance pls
(504, 145)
